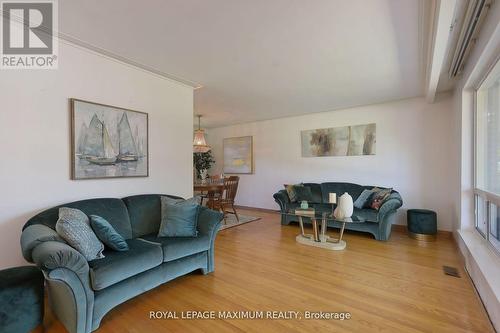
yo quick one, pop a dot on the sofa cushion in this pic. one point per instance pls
(118, 266)
(317, 196)
(323, 208)
(379, 197)
(303, 193)
(354, 190)
(113, 210)
(290, 190)
(145, 213)
(364, 199)
(370, 215)
(179, 247)
(74, 227)
(107, 234)
(179, 217)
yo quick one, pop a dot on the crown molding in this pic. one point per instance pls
(108, 54)
(101, 51)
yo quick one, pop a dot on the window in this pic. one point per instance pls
(487, 158)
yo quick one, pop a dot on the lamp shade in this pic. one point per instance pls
(199, 142)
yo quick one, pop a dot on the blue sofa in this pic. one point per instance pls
(82, 292)
(378, 223)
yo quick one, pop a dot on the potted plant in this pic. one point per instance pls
(202, 162)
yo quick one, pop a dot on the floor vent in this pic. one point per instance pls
(452, 271)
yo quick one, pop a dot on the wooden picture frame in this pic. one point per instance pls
(108, 141)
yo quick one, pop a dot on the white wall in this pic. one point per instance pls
(413, 154)
(35, 136)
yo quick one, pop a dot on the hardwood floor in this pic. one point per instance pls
(394, 286)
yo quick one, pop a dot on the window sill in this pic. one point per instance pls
(483, 266)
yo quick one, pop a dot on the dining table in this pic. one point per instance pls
(207, 187)
(211, 190)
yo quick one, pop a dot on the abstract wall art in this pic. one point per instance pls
(238, 155)
(339, 141)
(108, 141)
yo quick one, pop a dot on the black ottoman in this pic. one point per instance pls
(422, 224)
(21, 299)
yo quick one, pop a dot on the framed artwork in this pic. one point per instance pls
(340, 141)
(108, 141)
(238, 155)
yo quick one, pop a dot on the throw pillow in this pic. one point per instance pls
(292, 194)
(196, 200)
(107, 234)
(73, 226)
(379, 197)
(179, 217)
(304, 193)
(363, 199)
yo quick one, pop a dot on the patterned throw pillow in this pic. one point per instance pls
(292, 193)
(73, 226)
(364, 199)
(379, 197)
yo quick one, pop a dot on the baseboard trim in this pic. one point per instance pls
(440, 233)
(266, 210)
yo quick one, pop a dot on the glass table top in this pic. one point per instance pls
(312, 213)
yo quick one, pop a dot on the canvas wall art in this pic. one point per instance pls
(339, 141)
(238, 155)
(108, 141)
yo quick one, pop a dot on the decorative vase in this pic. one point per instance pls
(344, 208)
(203, 175)
(304, 204)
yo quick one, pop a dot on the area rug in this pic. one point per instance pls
(232, 222)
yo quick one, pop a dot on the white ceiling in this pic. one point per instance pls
(262, 59)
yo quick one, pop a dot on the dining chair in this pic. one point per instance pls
(227, 201)
(214, 198)
(215, 179)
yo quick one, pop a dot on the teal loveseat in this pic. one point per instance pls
(82, 292)
(378, 222)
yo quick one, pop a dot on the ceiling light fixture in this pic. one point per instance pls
(199, 142)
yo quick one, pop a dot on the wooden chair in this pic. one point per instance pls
(214, 196)
(215, 179)
(230, 187)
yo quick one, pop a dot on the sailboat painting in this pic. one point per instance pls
(107, 141)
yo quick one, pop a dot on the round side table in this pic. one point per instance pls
(422, 224)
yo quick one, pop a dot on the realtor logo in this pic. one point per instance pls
(28, 35)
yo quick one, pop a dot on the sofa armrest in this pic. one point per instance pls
(386, 216)
(67, 273)
(387, 206)
(70, 300)
(281, 197)
(35, 235)
(209, 221)
(52, 255)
